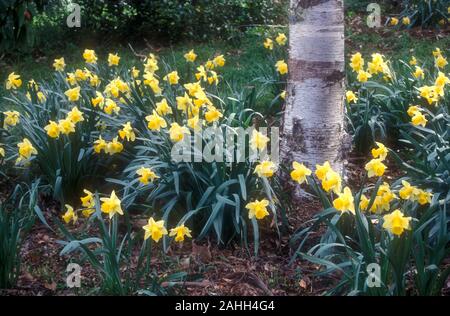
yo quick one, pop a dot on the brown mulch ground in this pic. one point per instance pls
(230, 271)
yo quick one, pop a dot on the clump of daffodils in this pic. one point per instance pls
(280, 40)
(98, 113)
(376, 66)
(343, 199)
(64, 126)
(157, 230)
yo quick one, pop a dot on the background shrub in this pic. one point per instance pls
(132, 20)
(16, 17)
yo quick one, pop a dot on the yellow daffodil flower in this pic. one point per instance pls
(384, 197)
(375, 167)
(184, 102)
(257, 209)
(429, 93)
(73, 94)
(59, 64)
(111, 205)
(441, 80)
(300, 172)
(163, 108)
(393, 21)
(180, 232)
(424, 197)
(114, 147)
(172, 77)
(89, 56)
(52, 129)
(155, 122)
(213, 78)
(88, 202)
(419, 119)
(201, 73)
(127, 132)
(441, 62)
(81, 75)
(13, 81)
(363, 76)
(344, 201)
(377, 64)
(26, 149)
(99, 100)
(11, 118)
(380, 152)
(190, 56)
(177, 132)
(66, 126)
(351, 97)
(113, 60)
(135, 72)
(363, 203)
(94, 81)
(322, 170)
(155, 230)
(268, 43)
(408, 192)
(146, 175)
(265, 169)
(209, 65)
(70, 215)
(282, 67)
(332, 182)
(219, 61)
(396, 222)
(281, 39)
(195, 123)
(151, 64)
(100, 144)
(412, 110)
(193, 88)
(75, 115)
(151, 81)
(357, 62)
(418, 73)
(258, 140)
(212, 115)
(71, 79)
(111, 107)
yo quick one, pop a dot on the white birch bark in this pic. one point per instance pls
(313, 121)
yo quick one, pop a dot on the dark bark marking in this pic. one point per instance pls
(294, 140)
(297, 9)
(335, 77)
(304, 4)
(303, 69)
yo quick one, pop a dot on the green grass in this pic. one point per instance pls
(243, 62)
(394, 45)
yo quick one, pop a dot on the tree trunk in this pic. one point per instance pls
(313, 122)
